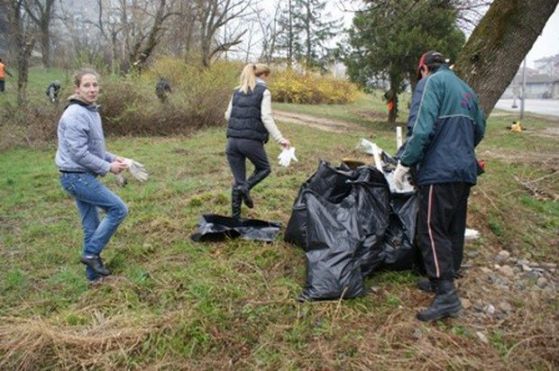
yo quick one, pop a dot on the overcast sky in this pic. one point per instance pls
(548, 42)
(546, 45)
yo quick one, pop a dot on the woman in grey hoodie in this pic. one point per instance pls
(81, 157)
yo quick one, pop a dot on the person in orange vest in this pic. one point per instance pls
(3, 72)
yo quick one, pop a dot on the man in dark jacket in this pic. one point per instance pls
(444, 126)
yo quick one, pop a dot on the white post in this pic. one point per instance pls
(398, 137)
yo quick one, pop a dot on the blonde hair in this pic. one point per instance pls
(81, 73)
(249, 75)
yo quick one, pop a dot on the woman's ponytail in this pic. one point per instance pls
(249, 74)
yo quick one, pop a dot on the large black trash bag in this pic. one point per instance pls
(212, 227)
(331, 183)
(399, 251)
(343, 237)
(372, 209)
(359, 227)
(332, 270)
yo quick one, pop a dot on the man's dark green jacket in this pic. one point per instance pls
(444, 126)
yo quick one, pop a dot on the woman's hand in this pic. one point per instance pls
(118, 166)
(285, 143)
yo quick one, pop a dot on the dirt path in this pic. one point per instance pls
(336, 126)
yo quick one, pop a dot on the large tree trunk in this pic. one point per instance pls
(23, 56)
(496, 48)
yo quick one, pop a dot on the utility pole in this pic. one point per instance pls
(523, 91)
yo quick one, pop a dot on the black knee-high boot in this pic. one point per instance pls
(254, 179)
(245, 193)
(236, 200)
(257, 177)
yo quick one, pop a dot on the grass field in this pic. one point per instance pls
(175, 304)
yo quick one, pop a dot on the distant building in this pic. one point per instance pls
(548, 65)
(541, 82)
(555, 90)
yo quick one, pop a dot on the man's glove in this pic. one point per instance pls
(137, 170)
(400, 176)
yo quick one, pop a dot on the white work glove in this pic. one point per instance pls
(286, 155)
(137, 170)
(401, 174)
(121, 180)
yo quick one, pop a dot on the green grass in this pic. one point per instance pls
(173, 303)
(39, 79)
(369, 110)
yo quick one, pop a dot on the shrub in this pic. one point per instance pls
(291, 87)
(199, 98)
(129, 105)
(33, 124)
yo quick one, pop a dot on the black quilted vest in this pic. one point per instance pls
(245, 120)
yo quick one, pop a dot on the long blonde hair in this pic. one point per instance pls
(249, 75)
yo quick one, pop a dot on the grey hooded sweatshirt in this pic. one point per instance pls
(81, 143)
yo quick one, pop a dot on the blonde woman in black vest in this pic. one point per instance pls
(250, 124)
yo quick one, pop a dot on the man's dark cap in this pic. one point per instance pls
(430, 59)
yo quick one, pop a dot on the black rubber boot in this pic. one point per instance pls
(257, 177)
(236, 200)
(446, 303)
(245, 191)
(427, 285)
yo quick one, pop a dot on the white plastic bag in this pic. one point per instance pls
(286, 155)
(365, 146)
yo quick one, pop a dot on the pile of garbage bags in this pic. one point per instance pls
(350, 225)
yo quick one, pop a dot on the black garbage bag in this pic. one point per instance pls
(212, 227)
(331, 183)
(343, 239)
(399, 251)
(332, 270)
(358, 226)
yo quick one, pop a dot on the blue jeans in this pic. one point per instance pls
(90, 194)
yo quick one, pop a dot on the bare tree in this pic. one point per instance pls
(133, 28)
(41, 13)
(213, 15)
(145, 43)
(269, 31)
(187, 26)
(497, 46)
(22, 34)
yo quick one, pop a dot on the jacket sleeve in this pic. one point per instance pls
(110, 157)
(479, 129)
(424, 113)
(77, 138)
(229, 108)
(267, 119)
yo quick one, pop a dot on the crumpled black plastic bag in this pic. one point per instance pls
(399, 251)
(213, 227)
(350, 226)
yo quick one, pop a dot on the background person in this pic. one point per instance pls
(53, 90)
(81, 157)
(3, 72)
(445, 125)
(250, 123)
(163, 89)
